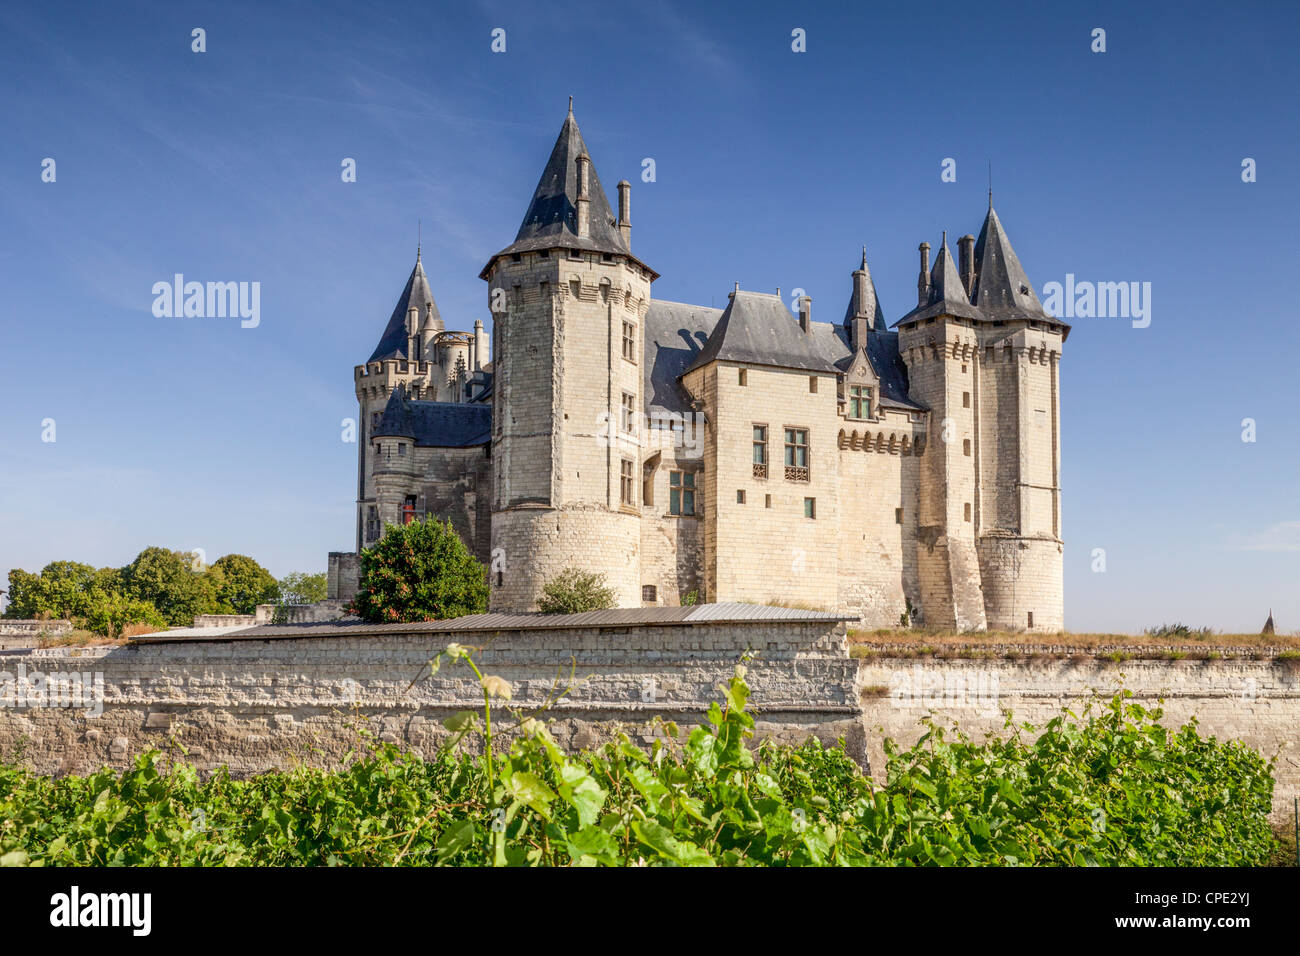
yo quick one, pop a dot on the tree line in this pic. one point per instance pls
(159, 588)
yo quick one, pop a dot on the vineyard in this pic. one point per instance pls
(1109, 786)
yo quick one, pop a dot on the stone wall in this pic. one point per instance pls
(254, 704)
(1255, 701)
(30, 628)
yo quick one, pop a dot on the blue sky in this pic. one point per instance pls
(773, 168)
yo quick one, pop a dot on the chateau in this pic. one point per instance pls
(905, 472)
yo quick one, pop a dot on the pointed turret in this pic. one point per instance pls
(864, 305)
(1002, 289)
(569, 208)
(1268, 625)
(946, 295)
(394, 343)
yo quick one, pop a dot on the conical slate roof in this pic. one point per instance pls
(947, 295)
(552, 217)
(758, 329)
(878, 317)
(1002, 290)
(392, 344)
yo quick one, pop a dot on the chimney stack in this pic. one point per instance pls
(625, 211)
(805, 312)
(923, 281)
(584, 197)
(864, 304)
(966, 257)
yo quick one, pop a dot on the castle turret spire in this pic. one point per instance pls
(395, 341)
(1002, 289)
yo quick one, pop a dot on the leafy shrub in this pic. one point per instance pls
(1109, 787)
(300, 587)
(1180, 631)
(573, 591)
(420, 571)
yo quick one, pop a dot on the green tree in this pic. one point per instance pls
(420, 571)
(299, 587)
(173, 583)
(62, 589)
(242, 583)
(573, 591)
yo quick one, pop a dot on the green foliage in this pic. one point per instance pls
(160, 588)
(175, 584)
(573, 591)
(242, 583)
(1180, 631)
(420, 571)
(1109, 787)
(299, 587)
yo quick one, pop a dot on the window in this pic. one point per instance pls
(681, 492)
(743, 378)
(988, 354)
(608, 257)
(810, 507)
(767, 501)
(575, 287)
(629, 341)
(966, 511)
(760, 451)
(898, 515)
(1031, 618)
(965, 399)
(963, 367)
(629, 412)
(372, 523)
(544, 254)
(408, 509)
(575, 254)
(501, 578)
(401, 448)
(516, 257)
(626, 485)
(965, 447)
(859, 401)
(812, 384)
(796, 454)
(649, 594)
(740, 496)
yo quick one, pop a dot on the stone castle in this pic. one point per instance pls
(905, 473)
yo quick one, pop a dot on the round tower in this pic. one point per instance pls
(568, 300)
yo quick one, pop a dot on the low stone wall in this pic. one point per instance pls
(21, 628)
(330, 609)
(254, 704)
(224, 620)
(1235, 697)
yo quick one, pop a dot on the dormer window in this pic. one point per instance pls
(860, 401)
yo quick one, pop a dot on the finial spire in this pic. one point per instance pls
(864, 257)
(570, 104)
(944, 245)
(990, 184)
(419, 238)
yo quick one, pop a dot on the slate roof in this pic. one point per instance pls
(756, 328)
(878, 320)
(552, 217)
(675, 333)
(435, 424)
(882, 351)
(1002, 289)
(947, 294)
(392, 344)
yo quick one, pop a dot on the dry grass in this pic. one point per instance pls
(936, 636)
(77, 638)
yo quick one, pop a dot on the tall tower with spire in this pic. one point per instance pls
(983, 355)
(1019, 440)
(569, 301)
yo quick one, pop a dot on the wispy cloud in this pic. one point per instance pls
(1283, 536)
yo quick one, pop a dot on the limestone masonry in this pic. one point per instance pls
(895, 474)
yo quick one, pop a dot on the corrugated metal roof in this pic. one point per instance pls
(724, 613)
